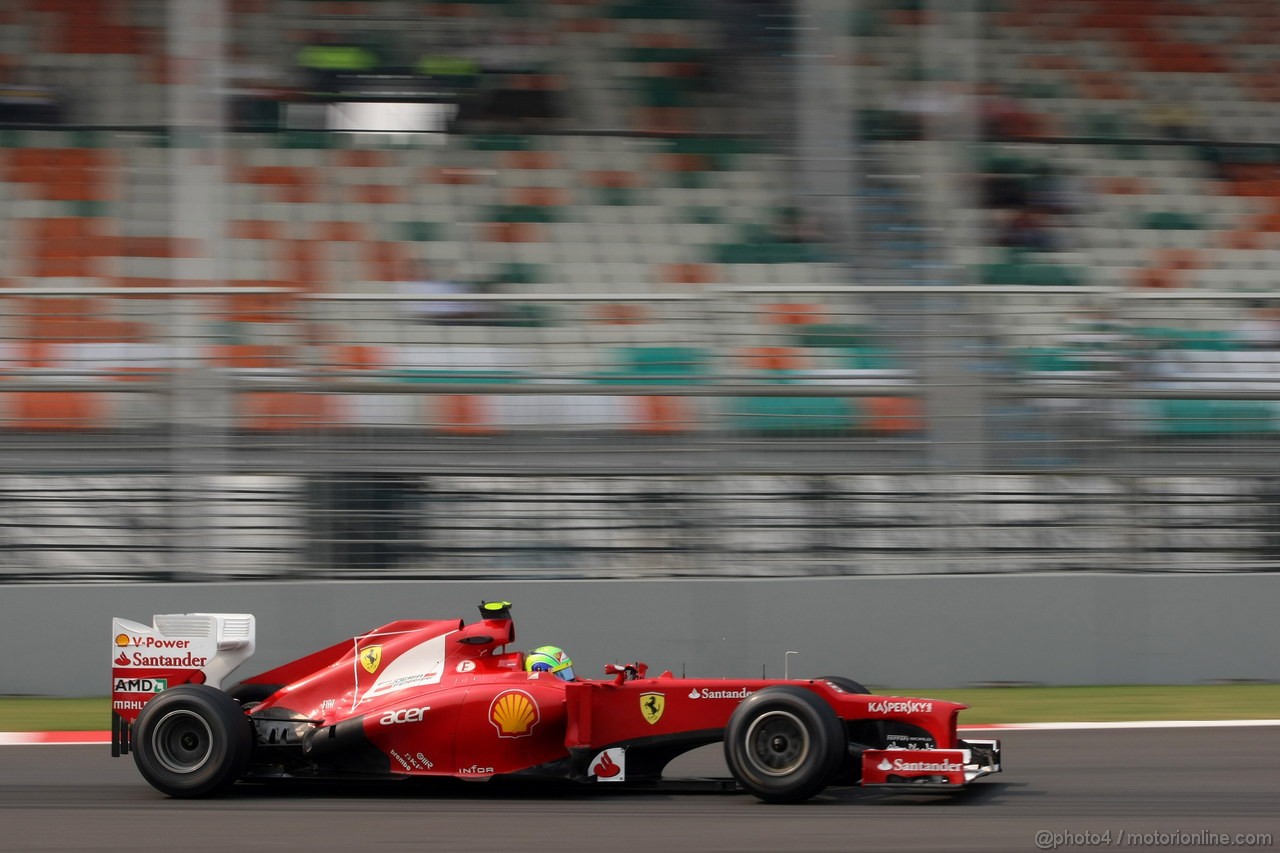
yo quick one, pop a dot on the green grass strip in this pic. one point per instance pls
(43, 714)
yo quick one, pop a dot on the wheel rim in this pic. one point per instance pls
(777, 743)
(182, 741)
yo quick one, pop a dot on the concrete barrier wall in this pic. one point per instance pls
(888, 632)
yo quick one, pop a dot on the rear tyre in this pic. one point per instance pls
(783, 744)
(848, 685)
(192, 741)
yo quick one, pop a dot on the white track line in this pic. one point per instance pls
(1128, 724)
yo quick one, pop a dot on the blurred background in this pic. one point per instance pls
(503, 289)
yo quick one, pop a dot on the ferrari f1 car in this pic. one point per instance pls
(444, 698)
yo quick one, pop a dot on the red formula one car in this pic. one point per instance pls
(442, 698)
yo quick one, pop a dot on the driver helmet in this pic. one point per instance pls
(550, 659)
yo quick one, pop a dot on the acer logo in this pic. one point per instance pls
(404, 715)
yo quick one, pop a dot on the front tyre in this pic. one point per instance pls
(848, 685)
(783, 744)
(192, 741)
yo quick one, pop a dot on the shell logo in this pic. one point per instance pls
(122, 640)
(514, 713)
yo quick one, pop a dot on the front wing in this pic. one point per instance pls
(930, 768)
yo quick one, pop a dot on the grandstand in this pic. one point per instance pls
(316, 245)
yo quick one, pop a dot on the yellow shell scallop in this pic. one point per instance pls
(514, 713)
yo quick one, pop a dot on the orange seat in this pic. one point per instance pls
(465, 414)
(276, 411)
(891, 415)
(57, 411)
(661, 415)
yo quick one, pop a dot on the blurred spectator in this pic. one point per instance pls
(23, 100)
(1027, 228)
(1004, 190)
(1058, 190)
(1004, 118)
(437, 300)
(1174, 120)
(757, 26)
(937, 110)
(796, 226)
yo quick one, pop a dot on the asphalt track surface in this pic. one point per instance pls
(1224, 780)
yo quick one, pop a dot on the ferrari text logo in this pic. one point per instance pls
(513, 713)
(371, 658)
(652, 705)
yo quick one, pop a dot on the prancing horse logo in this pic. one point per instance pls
(371, 658)
(652, 705)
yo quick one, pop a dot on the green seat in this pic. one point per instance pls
(832, 336)
(420, 232)
(735, 253)
(308, 139)
(1051, 275)
(521, 273)
(523, 213)
(90, 208)
(1051, 360)
(1164, 337)
(867, 358)
(865, 23)
(663, 54)
(1000, 273)
(501, 142)
(1169, 220)
(792, 415)
(660, 91)
(657, 365)
(456, 377)
(529, 316)
(1216, 417)
(656, 10)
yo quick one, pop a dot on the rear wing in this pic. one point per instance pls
(176, 648)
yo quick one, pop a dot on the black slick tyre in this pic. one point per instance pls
(783, 744)
(192, 741)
